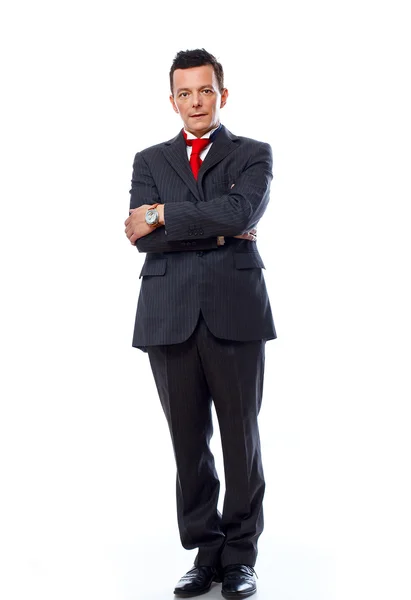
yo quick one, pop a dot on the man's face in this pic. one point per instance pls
(197, 98)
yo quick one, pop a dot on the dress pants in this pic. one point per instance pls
(190, 376)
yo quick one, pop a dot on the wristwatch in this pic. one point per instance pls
(152, 216)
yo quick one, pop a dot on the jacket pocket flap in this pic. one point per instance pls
(248, 260)
(154, 267)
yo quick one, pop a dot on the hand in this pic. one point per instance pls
(136, 226)
(251, 235)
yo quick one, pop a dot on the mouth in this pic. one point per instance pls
(198, 115)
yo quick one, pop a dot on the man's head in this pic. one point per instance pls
(197, 90)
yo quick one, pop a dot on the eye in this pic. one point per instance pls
(207, 91)
(183, 95)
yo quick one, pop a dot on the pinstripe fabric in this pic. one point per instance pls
(188, 376)
(184, 270)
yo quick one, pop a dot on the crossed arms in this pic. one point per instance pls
(197, 225)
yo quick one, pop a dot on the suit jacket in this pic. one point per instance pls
(185, 271)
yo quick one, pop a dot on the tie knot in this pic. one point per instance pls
(198, 144)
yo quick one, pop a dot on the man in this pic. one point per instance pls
(203, 316)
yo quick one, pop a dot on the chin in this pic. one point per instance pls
(203, 127)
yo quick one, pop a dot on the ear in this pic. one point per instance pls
(174, 105)
(224, 96)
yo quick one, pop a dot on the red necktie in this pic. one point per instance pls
(198, 145)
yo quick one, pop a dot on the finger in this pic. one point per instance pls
(130, 233)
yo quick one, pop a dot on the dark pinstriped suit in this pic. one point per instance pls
(203, 316)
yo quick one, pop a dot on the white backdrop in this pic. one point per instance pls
(87, 472)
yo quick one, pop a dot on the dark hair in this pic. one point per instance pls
(196, 58)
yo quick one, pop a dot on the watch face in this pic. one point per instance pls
(151, 217)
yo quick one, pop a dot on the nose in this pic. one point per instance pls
(196, 99)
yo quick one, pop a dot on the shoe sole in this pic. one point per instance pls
(230, 595)
(191, 594)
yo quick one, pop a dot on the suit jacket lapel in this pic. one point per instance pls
(224, 144)
(175, 152)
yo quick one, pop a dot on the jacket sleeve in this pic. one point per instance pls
(144, 191)
(230, 214)
(157, 242)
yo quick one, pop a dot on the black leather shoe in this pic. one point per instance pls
(238, 581)
(196, 582)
